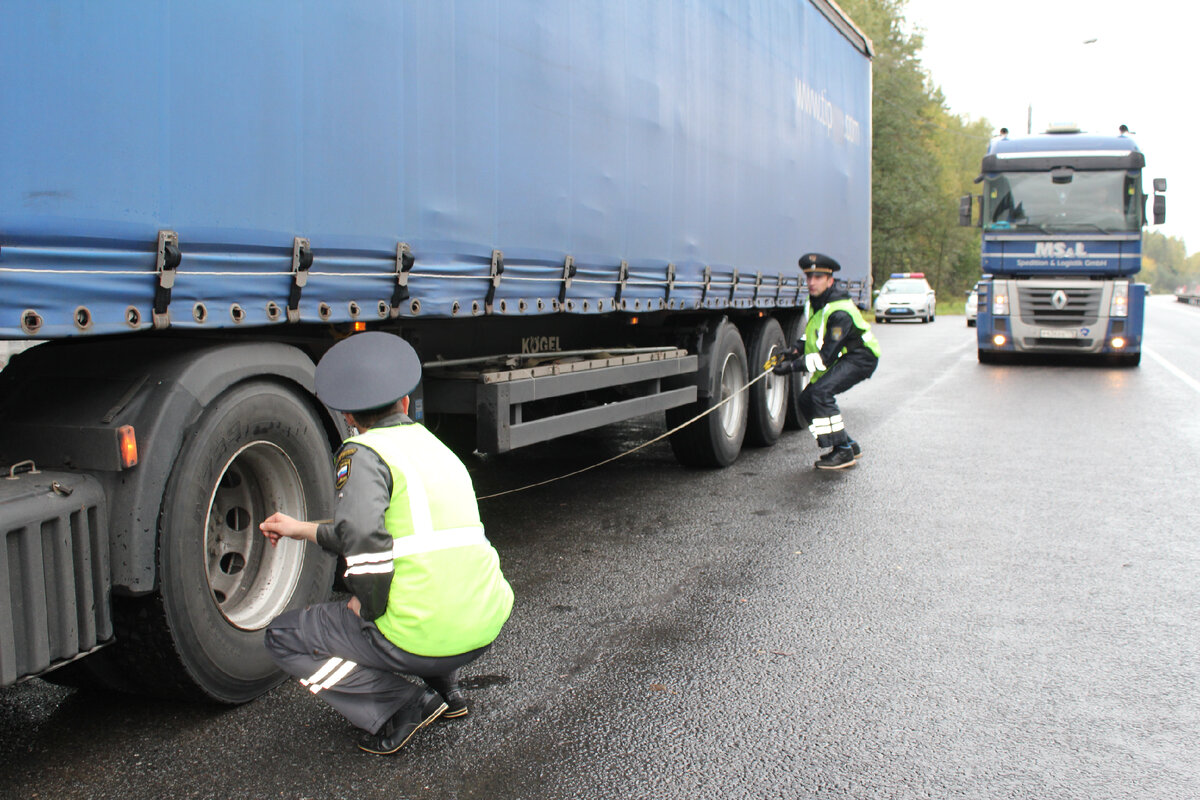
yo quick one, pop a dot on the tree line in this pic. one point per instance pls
(1166, 265)
(925, 158)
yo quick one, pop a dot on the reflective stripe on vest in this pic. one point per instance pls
(432, 541)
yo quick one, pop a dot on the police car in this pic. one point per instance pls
(972, 306)
(906, 295)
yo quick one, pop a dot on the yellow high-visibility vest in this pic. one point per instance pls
(448, 595)
(814, 331)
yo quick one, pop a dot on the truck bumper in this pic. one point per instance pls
(1092, 340)
(54, 572)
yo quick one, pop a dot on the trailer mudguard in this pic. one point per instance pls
(62, 406)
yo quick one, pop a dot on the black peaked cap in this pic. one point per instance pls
(818, 262)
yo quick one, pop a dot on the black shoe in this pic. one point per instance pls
(838, 458)
(447, 687)
(396, 732)
(855, 449)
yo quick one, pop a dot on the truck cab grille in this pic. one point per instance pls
(1075, 306)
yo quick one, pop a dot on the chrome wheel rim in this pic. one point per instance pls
(733, 378)
(250, 581)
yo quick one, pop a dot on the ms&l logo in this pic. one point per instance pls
(1059, 250)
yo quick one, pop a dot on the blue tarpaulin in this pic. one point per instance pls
(724, 135)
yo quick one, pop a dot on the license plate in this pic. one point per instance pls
(1059, 333)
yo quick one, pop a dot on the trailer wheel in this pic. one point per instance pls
(715, 440)
(769, 397)
(793, 329)
(256, 449)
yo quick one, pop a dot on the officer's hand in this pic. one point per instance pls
(355, 605)
(790, 354)
(280, 524)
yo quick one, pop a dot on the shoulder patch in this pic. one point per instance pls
(342, 471)
(836, 332)
(348, 451)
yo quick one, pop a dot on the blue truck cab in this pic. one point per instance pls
(1062, 216)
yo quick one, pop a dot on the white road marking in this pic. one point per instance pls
(1174, 370)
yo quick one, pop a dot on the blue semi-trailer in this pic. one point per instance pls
(578, 213)
(1062, 215)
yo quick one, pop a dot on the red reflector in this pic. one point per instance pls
(127, 442)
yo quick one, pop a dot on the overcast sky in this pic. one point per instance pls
(995, 60)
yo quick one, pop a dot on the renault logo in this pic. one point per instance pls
(1059, 300)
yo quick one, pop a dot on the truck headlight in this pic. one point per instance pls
(1120, 300)
(1000, 302)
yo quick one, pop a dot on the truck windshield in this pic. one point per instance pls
(1108, 202)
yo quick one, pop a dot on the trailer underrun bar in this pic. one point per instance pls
(503, 400)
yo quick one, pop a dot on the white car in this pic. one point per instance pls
(906, 295)
(972, 306)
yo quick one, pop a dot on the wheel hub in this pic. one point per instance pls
(250, 581)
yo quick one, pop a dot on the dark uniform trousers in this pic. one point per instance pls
(817, 400)
(348, 663)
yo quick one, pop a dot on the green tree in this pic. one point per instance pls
(1165, 263)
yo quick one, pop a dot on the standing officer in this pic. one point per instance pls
(428, 594)
(838, 351)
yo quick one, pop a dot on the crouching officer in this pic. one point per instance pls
(838, 350)
(428, 594)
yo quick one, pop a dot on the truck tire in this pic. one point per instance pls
(256, 449)
(716, 439)
(768, 398)
(793, 329)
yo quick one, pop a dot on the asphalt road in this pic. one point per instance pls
(999, 601)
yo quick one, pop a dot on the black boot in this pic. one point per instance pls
(839, 457)
(401, 726)
(447, 687)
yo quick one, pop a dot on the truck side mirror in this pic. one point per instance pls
(1160, 202)
(964, 210)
